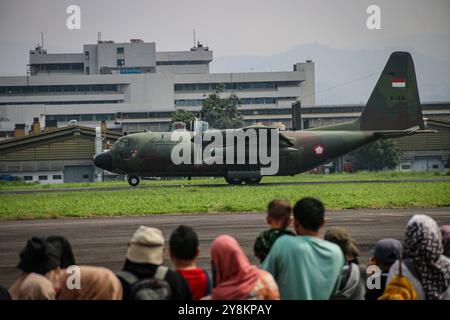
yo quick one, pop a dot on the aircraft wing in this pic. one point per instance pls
(284, 141)
(401, 133)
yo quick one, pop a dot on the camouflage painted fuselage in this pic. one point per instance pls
(149, 154)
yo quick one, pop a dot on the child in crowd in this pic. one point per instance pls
(279, 218)
(184, 250)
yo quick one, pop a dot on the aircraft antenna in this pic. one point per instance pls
(338, 85)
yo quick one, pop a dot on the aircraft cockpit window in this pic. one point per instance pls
(121, 143)
(125, 142)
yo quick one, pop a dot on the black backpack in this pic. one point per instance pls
(155, 288)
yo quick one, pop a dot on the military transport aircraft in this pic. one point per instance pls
(393, 110)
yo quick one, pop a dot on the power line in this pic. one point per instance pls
(339, 85)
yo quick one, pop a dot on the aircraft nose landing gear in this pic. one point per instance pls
(133, 180)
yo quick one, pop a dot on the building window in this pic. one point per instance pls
(43, 177)
(85, 176)
(406, 167)
(120, 50)
(69, 88)
(435, 166)
(204, 86)
(86, 55)
(57, 177)
(86, 117)
(87, 70)
(120, 62)
(28, 178)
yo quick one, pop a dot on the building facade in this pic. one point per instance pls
(120, 83)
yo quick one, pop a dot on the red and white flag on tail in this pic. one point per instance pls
(398, 82)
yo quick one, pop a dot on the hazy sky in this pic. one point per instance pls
(228, 27)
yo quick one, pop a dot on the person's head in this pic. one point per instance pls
(96, 283)
(228, 259)
(39, 256)
(233, 276)
(279, 214)
(309, 216)
(423, 239)
(423, 244)
(37, 287)
(65, 250)
(385, 253)
(343, 239)
(146, 246)
(445, 230)
(183, 246)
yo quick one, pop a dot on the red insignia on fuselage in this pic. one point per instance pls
(319, 149)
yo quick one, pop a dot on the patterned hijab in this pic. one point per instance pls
(423, 245)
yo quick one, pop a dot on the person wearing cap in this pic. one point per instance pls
(353, 277)
(145, 255)
(385, 253)
(41, 257)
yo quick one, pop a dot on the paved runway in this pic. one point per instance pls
(103, 241)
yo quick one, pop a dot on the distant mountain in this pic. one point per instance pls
(346, 76)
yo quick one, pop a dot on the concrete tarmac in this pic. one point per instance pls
(103, 241)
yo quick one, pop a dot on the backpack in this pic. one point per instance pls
(155, 288)
(400, 288)
(208, 287)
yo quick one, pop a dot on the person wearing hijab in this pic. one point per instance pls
(423, 262)
(41, 257)
(64, 249)
(96, 283)
(234, 277)
(36, 287)
(445, 230)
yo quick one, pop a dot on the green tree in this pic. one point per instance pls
(183, 116)
(222, 113)
(377, 155)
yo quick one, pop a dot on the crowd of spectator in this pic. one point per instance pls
(293, 266)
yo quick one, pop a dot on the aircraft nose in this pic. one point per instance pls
(104, 161)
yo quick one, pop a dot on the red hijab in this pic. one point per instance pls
(235, 276)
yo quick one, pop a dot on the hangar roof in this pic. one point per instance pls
(32, 140)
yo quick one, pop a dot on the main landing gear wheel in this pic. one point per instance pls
(133, 180)
(235, 181)
(253, 180)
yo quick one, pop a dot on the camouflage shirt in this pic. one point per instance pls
(265, 241)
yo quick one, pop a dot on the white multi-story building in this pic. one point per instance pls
(133, 87)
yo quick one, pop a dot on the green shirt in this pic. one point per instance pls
(305, 267)
(265, 241)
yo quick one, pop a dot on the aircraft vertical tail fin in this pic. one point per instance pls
(394, 103)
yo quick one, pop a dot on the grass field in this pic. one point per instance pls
(219, 199)
(305, 177)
